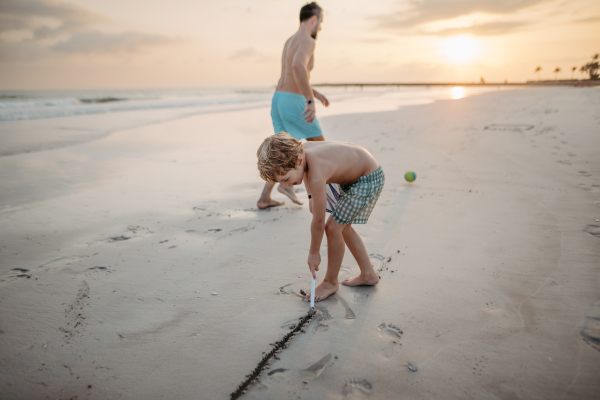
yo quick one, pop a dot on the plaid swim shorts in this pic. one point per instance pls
(356, 201)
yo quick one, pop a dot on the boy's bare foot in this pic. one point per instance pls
(323, 291)
(289, 192)
(362, 280)
(262, 204)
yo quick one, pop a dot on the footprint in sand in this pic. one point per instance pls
(75, 314)
(292, 381)
(357, 389)
(132, 231)
(389, 331)
(591, 332)
(362, 293)
(384, 263)
(333, 299)
(478, 368)
(392, 334)
(77, 270)
(593, 230)
(491, 306)
(16, 273)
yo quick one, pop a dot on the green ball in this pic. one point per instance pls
(410, 176)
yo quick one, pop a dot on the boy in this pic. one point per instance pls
(286, 160)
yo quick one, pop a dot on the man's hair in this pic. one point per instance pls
(309, 10)
(277, 155)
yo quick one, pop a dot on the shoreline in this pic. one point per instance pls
(38, 135)
(570, 82)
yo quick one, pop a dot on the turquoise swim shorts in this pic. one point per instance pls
(286, 112)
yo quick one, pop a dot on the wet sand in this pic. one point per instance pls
(138, 266)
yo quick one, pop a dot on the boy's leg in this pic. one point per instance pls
(367, 276)
(335, 255)
(265, 200)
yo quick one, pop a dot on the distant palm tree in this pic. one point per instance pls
(556, 71)
(537, 70)
(573, 69)
(582, 71)
(592, 67)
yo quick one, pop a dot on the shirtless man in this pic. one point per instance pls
(293, 105)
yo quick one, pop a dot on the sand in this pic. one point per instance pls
(137, 266)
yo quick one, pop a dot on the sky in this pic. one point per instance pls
(110, 44)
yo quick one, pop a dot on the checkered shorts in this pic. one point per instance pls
(356, 201)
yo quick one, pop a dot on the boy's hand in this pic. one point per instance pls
(314, 259)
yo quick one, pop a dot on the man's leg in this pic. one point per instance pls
(265, 200)
(290, 192)
(367, 276)
(335, 255)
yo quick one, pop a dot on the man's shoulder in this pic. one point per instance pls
(306, 41)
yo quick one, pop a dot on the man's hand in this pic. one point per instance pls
(309, 112)
(314, 259)
(321, 98)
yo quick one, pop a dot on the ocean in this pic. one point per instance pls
(32, 121)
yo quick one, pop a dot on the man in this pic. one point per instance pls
(293, 105)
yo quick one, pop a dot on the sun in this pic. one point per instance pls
(458, 92)
(460, 49)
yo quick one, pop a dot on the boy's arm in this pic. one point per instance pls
(317, 226)
(307, 186)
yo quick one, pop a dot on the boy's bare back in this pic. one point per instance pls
(336, 162)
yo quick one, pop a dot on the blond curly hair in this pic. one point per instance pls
(277, 155)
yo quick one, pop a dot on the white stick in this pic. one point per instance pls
(312, 293)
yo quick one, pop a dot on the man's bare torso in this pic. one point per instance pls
(287, 83)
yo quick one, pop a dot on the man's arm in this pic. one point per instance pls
(317, 226)
(300, 70)
(321, 98)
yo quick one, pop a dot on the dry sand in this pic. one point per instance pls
(137, 266)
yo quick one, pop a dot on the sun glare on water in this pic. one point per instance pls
(460, 49)
(458, 92)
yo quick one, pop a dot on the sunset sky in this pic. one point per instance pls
(51, 44)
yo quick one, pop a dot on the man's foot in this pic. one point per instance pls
(289, 192)
(262, 204)
(323, 291)
(362, 280)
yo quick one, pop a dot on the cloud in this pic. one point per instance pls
(420, 12)
(26, 50)
(590, 19)
(250, 54)
(99, 42)
(60, 27)
(33, 14)
(487, 29)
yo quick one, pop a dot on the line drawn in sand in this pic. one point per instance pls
(254, 376)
